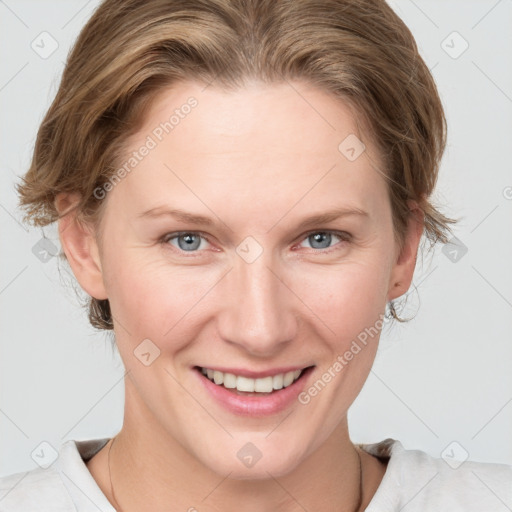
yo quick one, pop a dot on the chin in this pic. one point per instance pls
(250, 464)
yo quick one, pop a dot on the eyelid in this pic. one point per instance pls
(343, 235)
(175, 234)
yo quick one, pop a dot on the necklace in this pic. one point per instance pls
(119, 509)
(360, 500)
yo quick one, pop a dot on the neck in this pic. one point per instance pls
(154, 472)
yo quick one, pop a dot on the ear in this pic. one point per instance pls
(80, 247)
(403, 269)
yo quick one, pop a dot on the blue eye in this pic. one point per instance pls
(192, 241)
(322, 239)
(188, 241)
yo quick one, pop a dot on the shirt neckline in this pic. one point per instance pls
(83, 488)
(75, 454)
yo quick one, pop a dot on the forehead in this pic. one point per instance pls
(274, 118)
(264, 144)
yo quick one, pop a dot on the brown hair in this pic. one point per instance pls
(358, 50)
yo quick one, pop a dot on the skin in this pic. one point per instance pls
(257, 161)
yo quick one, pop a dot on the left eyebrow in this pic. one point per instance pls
(331, 215)
(197, 219)
(192, 218)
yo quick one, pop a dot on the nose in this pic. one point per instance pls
(258, 307)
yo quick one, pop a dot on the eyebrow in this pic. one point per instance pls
(197, 219)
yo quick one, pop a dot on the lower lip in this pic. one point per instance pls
(253, 405)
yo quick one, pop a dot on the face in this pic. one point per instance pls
(238, 282)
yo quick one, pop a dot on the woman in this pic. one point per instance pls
(241, 187)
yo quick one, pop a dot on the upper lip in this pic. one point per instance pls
(251, 374)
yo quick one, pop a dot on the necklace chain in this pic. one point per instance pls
(119, 509)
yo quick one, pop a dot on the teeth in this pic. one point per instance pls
(229, 381)
(264, 385)
(277, 381)
(245, 384)
(288, 378)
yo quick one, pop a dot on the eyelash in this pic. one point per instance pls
(343, 235)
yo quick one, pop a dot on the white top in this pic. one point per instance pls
(413, 481)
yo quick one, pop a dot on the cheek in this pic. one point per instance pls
(149, 296)
(346, 298)
(349, 303)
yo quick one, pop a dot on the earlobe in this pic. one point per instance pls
(80, 247)
(403, 270)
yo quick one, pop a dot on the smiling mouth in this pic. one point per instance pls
(241, 385)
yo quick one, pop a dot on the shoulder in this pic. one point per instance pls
(36, 489)
(65, 485)
(414, 481)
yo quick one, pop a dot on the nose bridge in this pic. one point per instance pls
(259, 313)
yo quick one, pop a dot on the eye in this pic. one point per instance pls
(323, 239)
(193, 242)
(187, 241)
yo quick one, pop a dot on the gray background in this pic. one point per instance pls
(442, 383)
